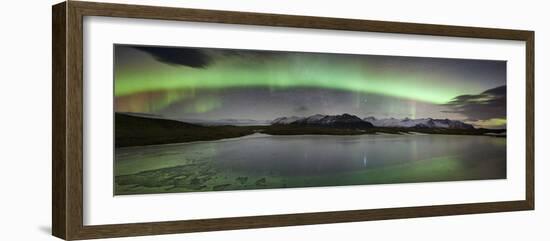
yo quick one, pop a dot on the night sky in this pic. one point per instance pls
(214, 84)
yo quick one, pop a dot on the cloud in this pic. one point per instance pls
(194, 58)
(490, 104)
(201, 58)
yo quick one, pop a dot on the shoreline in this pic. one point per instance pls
(260, 134)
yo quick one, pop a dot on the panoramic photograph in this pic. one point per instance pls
(190, 119)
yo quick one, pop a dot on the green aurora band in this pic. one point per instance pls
(294, 72)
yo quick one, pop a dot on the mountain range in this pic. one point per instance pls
(344, 120)
(352, 121)
(135, 129)
(340, 121)
(419, 123)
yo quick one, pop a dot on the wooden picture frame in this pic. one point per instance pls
(67, 159)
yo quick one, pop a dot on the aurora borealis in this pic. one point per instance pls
(213, 84)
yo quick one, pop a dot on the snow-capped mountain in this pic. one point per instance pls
(419, 123)
(389, 122)
(344, 120)
(286, 120)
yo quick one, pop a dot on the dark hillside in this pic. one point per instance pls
(140, 131)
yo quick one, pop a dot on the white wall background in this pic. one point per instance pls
(25, 121)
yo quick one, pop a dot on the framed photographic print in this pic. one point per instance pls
(170, 120)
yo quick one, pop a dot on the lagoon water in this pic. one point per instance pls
(264, 161)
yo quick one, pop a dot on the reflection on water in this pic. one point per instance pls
(307, 160)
